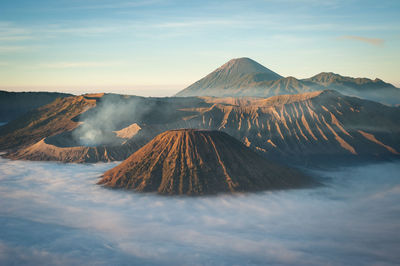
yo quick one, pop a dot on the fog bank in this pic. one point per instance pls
(54, 214)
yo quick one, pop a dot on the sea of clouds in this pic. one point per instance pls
(55, 214)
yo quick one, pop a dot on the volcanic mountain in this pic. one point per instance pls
(230, 79)
(245, 77)
(196, 162)
(305, 128)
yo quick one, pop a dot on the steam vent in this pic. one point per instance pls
(197, 162)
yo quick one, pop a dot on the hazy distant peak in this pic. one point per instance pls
(326, 76)
(329, 77)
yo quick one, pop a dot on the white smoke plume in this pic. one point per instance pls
(113, 112)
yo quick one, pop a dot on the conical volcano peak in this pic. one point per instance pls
(244, 65)
(236, 73)
(197, 162)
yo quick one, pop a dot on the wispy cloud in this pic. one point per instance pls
(372, 41)
(79, 30)
(13, 38)
(11, 32)
(113, 4)
(14, 33)
(197, 23)
(85, 64)
(13, 48)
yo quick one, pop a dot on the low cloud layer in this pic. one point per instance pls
(55, 214)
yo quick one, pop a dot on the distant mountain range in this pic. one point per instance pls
(14, 104)
(309, 127)
(245, 77)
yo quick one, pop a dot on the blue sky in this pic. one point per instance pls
(158, 47)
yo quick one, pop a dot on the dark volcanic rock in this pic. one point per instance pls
(196, 162)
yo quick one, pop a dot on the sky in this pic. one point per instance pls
(158, 47)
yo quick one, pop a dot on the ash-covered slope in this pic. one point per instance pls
(245, 77)
(196, 162)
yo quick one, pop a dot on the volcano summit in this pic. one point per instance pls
(196, 162)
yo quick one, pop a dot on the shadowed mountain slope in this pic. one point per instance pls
(15, 104)
(196, 162)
